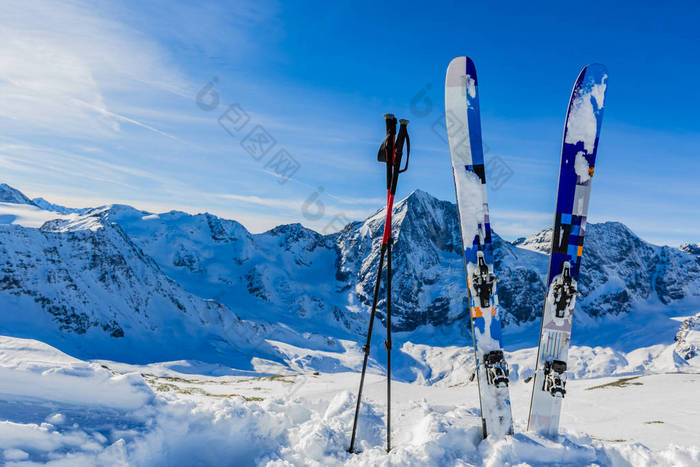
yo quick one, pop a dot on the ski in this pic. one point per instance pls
(466, 152)
(581, 132)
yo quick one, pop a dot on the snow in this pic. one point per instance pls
(598, 92)
(470, 84)
(27, 363)
(168, 414)
(582, 121)
(582, 167)
(27, 215)
(278, 387)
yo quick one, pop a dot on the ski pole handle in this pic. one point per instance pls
(398, 152)
(390, 120)
(387, 149)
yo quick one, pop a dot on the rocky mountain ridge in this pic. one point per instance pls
(120, 273)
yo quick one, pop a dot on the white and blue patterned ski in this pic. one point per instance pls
(464, 136)
(581, 132)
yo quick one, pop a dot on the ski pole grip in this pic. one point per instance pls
(390, 120)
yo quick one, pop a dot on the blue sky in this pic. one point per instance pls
(98, 105)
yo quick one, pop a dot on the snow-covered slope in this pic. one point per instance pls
(688, 338)
(255, 340)
(285, 275)
(60, 410)
(82, 284)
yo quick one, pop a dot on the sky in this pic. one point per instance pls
(271, 112)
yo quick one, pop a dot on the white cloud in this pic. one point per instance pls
(61, 60)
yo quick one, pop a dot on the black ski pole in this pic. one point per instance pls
(400, 140)
(390, 153)
(386, 153)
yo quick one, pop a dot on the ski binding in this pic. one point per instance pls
(496, 369)
(563, 294)
(482, 281)
(555, 378)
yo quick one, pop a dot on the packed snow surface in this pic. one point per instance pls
(58, 410)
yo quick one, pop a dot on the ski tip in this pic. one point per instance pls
(455, 71)
(458, 63)
(597, 71)
(458, 68)
(471, 70)
(596, 66)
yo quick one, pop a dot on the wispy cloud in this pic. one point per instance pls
(60, 62)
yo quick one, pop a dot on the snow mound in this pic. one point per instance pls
(82, 413)
(688, 338)
(26, 366)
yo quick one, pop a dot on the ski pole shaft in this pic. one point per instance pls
(367, 346)
(387, 344)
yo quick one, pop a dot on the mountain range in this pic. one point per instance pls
(119, 283)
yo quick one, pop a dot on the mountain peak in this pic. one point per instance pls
(12, 195)
(419, 196)
(418, 201)
(692, 248)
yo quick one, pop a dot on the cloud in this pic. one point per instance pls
(60, 62)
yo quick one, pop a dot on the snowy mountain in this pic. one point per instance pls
(113, 279)
(249, 344)
(620, 270)
(12, 195)
(84, 284)
(688, 338)
(693, 248)
(47, 206)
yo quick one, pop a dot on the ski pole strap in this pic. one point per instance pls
(401, 139)
(404, 130)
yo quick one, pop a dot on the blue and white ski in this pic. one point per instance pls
(581, 132)
(464, 136)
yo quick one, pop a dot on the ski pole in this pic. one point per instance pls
(386, 153)
(390, 153)
(400, 140)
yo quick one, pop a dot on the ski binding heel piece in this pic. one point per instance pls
(496, 369)
(555, 378)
